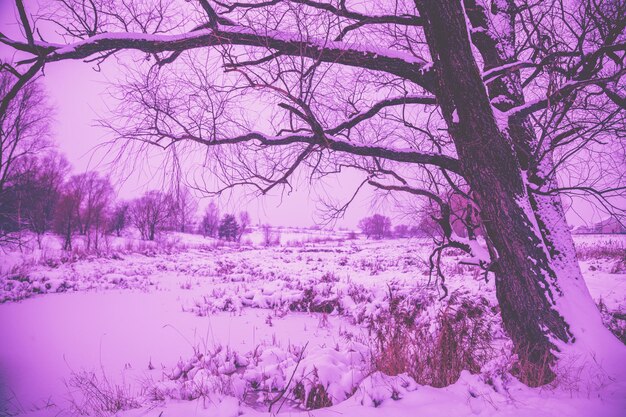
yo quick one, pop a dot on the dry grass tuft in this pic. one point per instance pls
(615, 321)
(432, 350)
(94, 396)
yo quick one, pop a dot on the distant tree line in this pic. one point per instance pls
(462, 222)
(379, 226)
(40, 196)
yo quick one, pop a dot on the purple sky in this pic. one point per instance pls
(78, 93)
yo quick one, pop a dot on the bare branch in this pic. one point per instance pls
(25, 22)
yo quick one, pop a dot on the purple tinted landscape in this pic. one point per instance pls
(312, 208)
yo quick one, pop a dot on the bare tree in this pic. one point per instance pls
(186, 207)
(396, 91)
(98, 195)
(67, 215)
(24, 131)
(210, 221)
(94, 195)
(244, 223)
(151, 212)
(119, 218)
(402, 230)
(377, 226)
(39, 191)
(271, 237)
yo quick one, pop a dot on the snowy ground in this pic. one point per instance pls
(187, 327)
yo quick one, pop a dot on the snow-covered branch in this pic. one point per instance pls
(377, 59)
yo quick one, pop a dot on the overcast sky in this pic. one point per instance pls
(78, 94)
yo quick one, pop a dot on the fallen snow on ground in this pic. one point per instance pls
(190, 327)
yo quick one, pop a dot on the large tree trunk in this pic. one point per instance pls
(574, 301)
(535, 254)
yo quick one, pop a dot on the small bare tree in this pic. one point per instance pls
(40, 189)
(186, 207)
(401, 230)
(271, 237)
(210, 221)
(119, 218)
(94, 195)
(151, 212)
(66, 215)
(244, 223)
(97, 195)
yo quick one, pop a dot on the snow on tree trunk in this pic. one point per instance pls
(536, 261)
(574, 302)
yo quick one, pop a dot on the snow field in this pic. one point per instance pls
(207, 330)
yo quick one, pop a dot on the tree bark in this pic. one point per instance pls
(526, 280)
(574, 300)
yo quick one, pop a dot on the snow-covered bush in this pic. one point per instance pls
(328, 376)
(378, 387)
